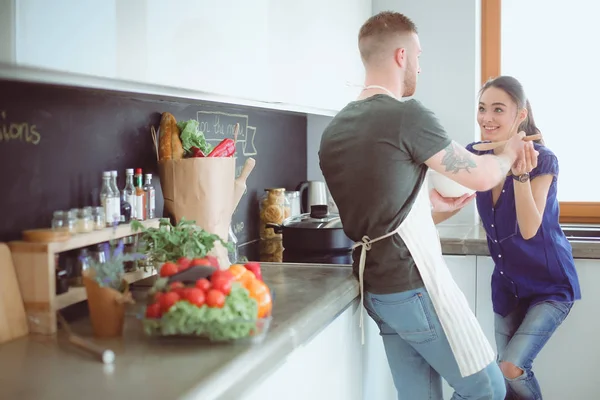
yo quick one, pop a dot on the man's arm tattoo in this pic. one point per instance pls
(455, 162)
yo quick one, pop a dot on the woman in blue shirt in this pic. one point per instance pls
(534, 283)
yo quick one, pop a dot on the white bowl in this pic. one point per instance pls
(446, 186)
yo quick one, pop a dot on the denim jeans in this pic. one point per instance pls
(418, 352)
(519, 338)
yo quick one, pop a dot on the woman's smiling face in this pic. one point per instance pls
(496, 114)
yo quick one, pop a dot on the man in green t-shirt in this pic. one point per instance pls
(374, 156)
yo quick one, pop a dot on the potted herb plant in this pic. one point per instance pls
(170, 243)
(108, 291)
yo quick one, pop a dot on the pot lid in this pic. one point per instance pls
(318, 218)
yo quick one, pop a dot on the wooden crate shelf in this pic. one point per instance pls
(36, 271)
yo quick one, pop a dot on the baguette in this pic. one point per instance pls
(170, 147)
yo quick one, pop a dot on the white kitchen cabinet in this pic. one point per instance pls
(214, 46)
(66, 35)
(329, 366)
(314, 50)
(301, 53)
(566, 366)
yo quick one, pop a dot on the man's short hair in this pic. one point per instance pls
(379, 29)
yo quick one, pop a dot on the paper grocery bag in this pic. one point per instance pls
(201, 189)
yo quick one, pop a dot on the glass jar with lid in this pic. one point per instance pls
(98, 218)
(59, 220)
(274, 208)
(71, 221)
(85, 224)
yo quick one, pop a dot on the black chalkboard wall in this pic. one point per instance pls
(56, 141)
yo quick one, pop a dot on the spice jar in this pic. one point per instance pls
(59, 220)
(98, 218)
(85, 224)
(274, 208)
(71, 221)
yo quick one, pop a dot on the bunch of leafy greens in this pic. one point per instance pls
(235, 320)
(192, 136)
(110, 272)
(168, 242)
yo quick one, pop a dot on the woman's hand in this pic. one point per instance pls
(448, 204)
(526, 161)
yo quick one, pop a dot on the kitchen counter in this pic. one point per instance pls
(308, 298)
(471, 240)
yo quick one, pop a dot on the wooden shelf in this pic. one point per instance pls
(77, 294)
(35, 264)
(82, 239)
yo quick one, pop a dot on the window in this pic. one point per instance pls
(554, 60)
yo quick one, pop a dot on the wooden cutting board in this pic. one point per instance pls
(13, 320)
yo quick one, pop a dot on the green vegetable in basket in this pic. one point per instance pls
(235, 320)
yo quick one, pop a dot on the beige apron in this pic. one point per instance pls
(469, 345)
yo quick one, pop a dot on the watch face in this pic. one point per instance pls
(524, 178)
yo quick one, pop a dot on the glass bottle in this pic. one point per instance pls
(107, 198)
(129, 190)
(115, 189)
(150, 194)
(140, 196)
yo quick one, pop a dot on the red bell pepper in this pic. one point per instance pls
(224, 149)
(196, 152)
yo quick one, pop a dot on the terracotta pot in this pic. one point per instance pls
(107, 307)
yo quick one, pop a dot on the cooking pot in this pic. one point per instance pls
(317, 231)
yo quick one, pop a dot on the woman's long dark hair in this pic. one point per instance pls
(514, 89)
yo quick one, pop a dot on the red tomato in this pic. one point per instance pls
(168, 269)
(215, 298)
(222, 274)
(203, 284)
(167, 300)
(157, 296)
(202, 262)
(183, 263)
(153, 310)
(213, 261)
(177, 287)
(222, 284)
(194, 296)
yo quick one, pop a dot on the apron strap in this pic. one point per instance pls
(365, 244)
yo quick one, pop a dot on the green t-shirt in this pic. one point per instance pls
(372, 156)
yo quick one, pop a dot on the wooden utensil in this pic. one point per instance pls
(240, 181)
(492, 145)
(13, 320)
(46, 235)
(105, 355)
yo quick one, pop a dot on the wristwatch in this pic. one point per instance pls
(521, 178)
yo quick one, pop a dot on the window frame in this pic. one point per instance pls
(491, 53)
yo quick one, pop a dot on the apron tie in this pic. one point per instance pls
(365, 244)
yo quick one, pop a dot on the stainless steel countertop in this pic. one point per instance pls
(471, 240)
(308, 298)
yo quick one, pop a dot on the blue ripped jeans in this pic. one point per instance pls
(519, 338)
(419, 354)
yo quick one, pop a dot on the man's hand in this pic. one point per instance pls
(448, 204)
